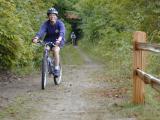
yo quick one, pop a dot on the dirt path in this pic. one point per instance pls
(78, 97)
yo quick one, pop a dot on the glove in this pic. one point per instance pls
(58, 42)
(35, 39)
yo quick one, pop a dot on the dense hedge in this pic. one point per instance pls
(108, 26)
(20, 20)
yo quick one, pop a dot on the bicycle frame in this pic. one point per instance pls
(48, 65)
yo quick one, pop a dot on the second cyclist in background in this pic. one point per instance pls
(73, 38)
(54, 31)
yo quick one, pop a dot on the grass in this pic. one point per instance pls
(123, 108)
(148, 111)
(20, 109)
(70, 56)
(121, 77)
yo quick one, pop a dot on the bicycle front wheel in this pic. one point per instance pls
(58, 79)
(44, 73)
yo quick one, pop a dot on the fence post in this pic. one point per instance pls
(138, 63)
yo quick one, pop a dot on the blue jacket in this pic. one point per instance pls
(52, 32)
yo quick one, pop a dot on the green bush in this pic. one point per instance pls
(10, 46)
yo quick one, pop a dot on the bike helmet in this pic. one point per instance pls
(52, 11)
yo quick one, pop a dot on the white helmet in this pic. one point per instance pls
(52, 11)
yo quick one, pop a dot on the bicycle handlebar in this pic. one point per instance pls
(46, 43)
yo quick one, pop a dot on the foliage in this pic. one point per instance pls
(9, 50)
(15, 34)
(20, 20)
(108, 26)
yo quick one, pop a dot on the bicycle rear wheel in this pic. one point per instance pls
(44, 73)
(57, 80)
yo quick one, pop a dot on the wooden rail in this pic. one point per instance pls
(147, 47)
(149, 79)
(140, 78)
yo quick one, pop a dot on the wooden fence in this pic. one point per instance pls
(140, 78)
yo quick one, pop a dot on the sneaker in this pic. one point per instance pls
(56, 72)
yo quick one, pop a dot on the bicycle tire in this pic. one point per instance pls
(57, 80)
(73, 42)
(50, 65)
(44, 73)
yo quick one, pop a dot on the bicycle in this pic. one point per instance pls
(48, 66)
(74, 41)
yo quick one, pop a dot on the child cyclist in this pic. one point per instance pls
(54, 31)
